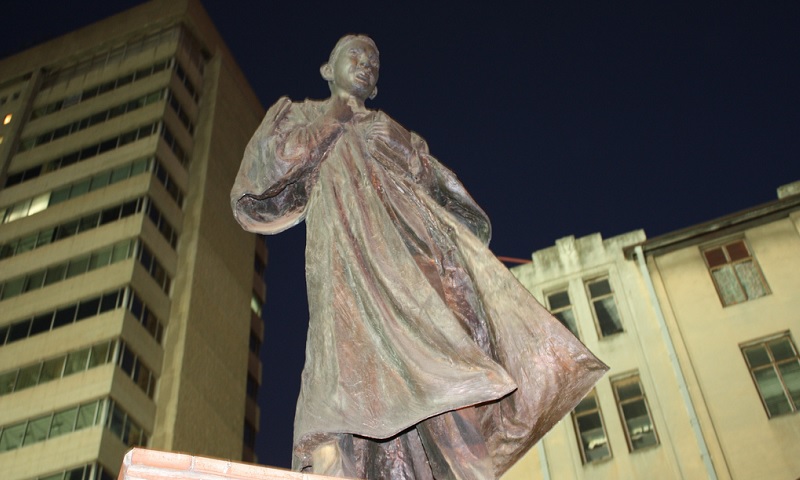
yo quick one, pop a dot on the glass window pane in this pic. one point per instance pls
(99, 181)
(588, 403)
(782, 349)
(99, 354)
(39, 203)
(737, 251)
(35, 281)
(77, 267)
(80, 188)
(109, 215)
(599, 288)
(116, 422)
(108, 302)
(67, 230)
(750, 279)
(45, 237)
(28, 376)
(52, 369)
(120, 173)
(65, 316)
(12, 437)
(558, 300)
(88, 308)
(593, 437)
(790, 371)
(756, 356)
(139, 166)
(715, 257)
(18, 331)
(59, 196)
(37, 430)
(728, 286)
(76, 362)
(640, 428)
(13, 287)
(607, 316)
(772, 391)
(628, 390)
(42, 323)
(55, 274)
(63, 422)
(100, 259)
(89, 222)
(567, 318)
(26, 244)
(7, 382)
(121, 251)
(86, 415)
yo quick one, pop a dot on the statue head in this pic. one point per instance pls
(353, 67)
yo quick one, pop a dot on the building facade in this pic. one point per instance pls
(698, 327)
(129, 298)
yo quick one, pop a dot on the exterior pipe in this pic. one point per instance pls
(687, 400)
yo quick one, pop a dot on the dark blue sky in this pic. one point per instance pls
(561, 117)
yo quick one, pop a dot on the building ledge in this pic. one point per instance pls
(144, 464)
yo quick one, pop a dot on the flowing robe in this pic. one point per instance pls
(411, 315)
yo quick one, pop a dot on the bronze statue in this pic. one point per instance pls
(425, 357)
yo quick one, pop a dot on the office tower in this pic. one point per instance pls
(129, 299)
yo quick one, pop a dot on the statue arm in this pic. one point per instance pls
(277, 171)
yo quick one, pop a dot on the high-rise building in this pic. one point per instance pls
(129, 298)
(700, 329)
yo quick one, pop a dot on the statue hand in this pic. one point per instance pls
(385, 133)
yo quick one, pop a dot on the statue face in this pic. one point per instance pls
(355, 69)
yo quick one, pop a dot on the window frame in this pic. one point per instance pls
(723, 247)
(794, 405)
(624, 380)
(591, 300)
(579, 437)
(570, 307)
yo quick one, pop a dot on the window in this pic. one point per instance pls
(635, 413)
(775, 368)
(735, 272)
(7, 119)
(561, 308)
(590, 429)
(604, 307)
(255, 304)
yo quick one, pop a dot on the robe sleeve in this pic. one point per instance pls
(278, 170)
(444, 187)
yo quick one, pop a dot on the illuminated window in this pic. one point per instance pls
(591, 431)
(604, 307)
(7, 119)
(775, 368)
(735, 272)
(255, 304)
(561, 308)
(635, 413)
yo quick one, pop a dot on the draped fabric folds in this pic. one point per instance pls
(411, 315)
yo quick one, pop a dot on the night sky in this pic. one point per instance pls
(561, 118)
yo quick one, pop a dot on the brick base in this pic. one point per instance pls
(143, 464)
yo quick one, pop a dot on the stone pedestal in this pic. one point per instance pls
(143, 464)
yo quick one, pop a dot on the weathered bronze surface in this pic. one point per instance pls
(425, 357)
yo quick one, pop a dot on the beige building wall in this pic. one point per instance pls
(201, 360)
(638, 349)
(710, 335)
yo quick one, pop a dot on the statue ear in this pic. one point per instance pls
(326, 71)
